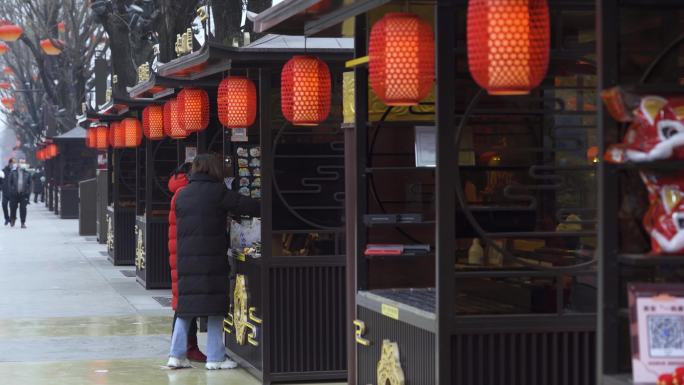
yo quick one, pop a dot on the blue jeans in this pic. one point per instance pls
(216, 348)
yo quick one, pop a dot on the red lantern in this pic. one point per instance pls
(5, 85)
(10, 32)
(49, 48)
(52, 150)
(90, 137)
(132, 132)
(39, 155)
(4, 48)
(172, 124)
(508, 44)
(153, 122)
(8, 101)
(401, 55)
(8, 71)
(305, 90)
(101, 139)
(193, 107)
(237, 102)
(61, 27)
(117, 136)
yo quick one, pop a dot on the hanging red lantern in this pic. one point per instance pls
(172, 123)
(39, 155)
(52, 150)
(8, 101)
(305, 90)
(61, 27)
(193, 107)
(117, 136)
(132, 132)
(508, 44)
(237, 102)
(10, 32)
(153, 122)
(8, 71)
(5, 85)
(4, 48)
(401, 54)
(101, 139)
(49, 48)
(90, 137)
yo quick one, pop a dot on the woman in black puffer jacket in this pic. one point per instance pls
(203, 282)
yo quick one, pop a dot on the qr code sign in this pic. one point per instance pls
(666, 335)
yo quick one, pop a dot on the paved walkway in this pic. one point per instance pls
(68, 317)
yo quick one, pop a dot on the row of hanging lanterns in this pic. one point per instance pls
(48, 152)
(508, 54)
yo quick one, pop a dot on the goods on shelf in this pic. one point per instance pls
(656, 129)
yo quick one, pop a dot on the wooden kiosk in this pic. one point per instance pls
(511, 172)
(74, 163)
(155, 162)
(287, 303)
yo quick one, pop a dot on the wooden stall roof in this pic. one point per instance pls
(76, 133)
(311, 17)
(271, 50)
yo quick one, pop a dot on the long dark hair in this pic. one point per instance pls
(208, 164)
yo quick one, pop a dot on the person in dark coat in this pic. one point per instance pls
(5, 189)
(20, 192)
(202, 208)
(37, 183)
(178, 181)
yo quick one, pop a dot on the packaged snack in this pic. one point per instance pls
(244, 182)
(243, 162)
(255, 152)
(256, 182)
(256, 193)
(244, 172)
(241, 151)
(256, 172)
(255, 162)
(244, 191)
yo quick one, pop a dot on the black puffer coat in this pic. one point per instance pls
(202, 208)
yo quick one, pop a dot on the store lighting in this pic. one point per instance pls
(153, 122)
(193, 109)
(401, 55)
(508, 44)
(305, 90)
(236, 101)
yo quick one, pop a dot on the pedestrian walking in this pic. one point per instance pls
(6, 190)
(20, 192)
(177, 181)
(201, 210)
(37, 182)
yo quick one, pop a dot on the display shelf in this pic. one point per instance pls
(650, 260)
(652, 3)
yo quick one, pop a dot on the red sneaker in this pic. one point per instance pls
(196, 355)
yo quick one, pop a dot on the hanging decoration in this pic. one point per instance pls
(10, 32)
(8, 71)
(193, 109)
(236, 101)
(90, 138)
(401, 62)
(4, 48)
(508, 44)
(101, 137)
(153, 122)
(305, 90)
(172, 123)
(8, 101)
(132, 132)
(52, 150)
(116, 135)
(5, 85)
(49, 48)
(61, 27)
